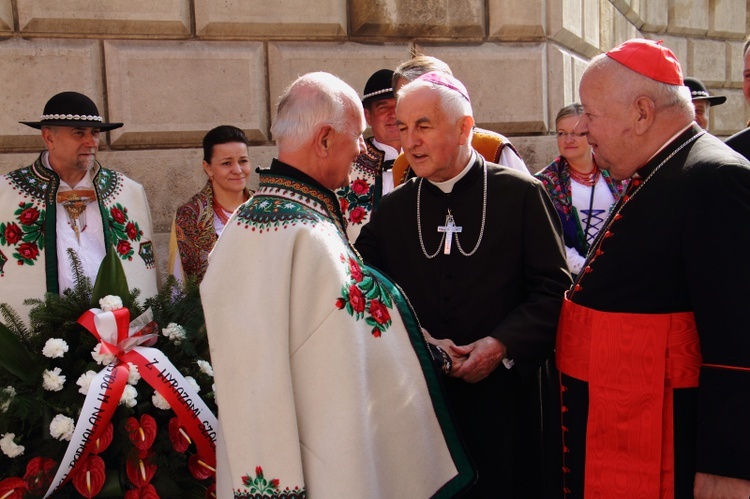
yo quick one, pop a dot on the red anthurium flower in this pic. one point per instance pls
(89, 476)
(178, 437)
(199, 468)
(100, 444)
(39, 474)
(140, 467)
(211, 492)
(147, 492)
(13, 488)
(142, 435)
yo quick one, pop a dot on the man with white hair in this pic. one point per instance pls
(326, 385)
(653, 344)
(477, 248)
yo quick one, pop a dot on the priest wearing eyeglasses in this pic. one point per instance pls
(478, 250)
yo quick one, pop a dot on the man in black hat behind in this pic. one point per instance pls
(371, 176)
(702, 100)
(67, 200)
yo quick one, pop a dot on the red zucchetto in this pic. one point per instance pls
(649, 58)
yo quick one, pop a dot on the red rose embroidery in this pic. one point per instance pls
(13, 233)
(131, 231)
(29, 251)
(29, 216)
(379, 312)
(340, 303)
(357, 214)
(360, 187)
(123, 247)
(344, 205)
(355, 270)
(117, 215)
(356, 299)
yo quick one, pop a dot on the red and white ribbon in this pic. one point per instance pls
(123, 339)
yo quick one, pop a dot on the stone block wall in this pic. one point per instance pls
(173, 69)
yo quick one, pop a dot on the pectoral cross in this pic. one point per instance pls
(449, 229)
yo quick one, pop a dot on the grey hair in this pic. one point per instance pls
(633, 84)
(311, 101)
(417, 66)
(453, 104)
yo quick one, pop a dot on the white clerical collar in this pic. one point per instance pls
(390, 152)
(84, 183)
(447, 185)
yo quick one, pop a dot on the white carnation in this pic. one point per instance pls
(55, 347)
(129, 395)
(84, 381)
(52, 380)
(206, 368)
(191, 381)
(160, 402)
(9, 393)
(110, 303)
(62, 427)
(9, 447)
(174, 332)
(133, 375)
(104, 359)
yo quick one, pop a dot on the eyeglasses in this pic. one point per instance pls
(565, 135)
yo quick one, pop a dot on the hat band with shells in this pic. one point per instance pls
(82, 117)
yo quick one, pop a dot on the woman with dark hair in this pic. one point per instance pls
(583, 194)
(199, 222)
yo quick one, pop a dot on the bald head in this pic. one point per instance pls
(318, 128)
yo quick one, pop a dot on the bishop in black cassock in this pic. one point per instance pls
(480, 257)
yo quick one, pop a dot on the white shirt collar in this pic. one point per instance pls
(447, 185)
(390, 152)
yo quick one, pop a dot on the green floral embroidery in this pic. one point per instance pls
(25, 234)
(260, 488)
(363, 296)
(266, 214)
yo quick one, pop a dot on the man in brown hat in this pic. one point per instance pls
(702, 100)
(652, 342)
(371, 177)
(67, 201)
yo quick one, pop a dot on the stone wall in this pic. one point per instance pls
(173, 69)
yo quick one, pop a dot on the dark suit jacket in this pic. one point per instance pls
(740, 142)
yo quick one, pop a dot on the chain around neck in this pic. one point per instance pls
(442, 239)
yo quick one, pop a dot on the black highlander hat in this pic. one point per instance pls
(71, 109)
(378, 86)
(698, 91)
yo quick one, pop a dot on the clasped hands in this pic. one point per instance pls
(472, 362)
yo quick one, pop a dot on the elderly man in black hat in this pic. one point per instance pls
(67, 200)
(702, 100)
(371, 177)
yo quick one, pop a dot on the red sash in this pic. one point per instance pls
(631, 364)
